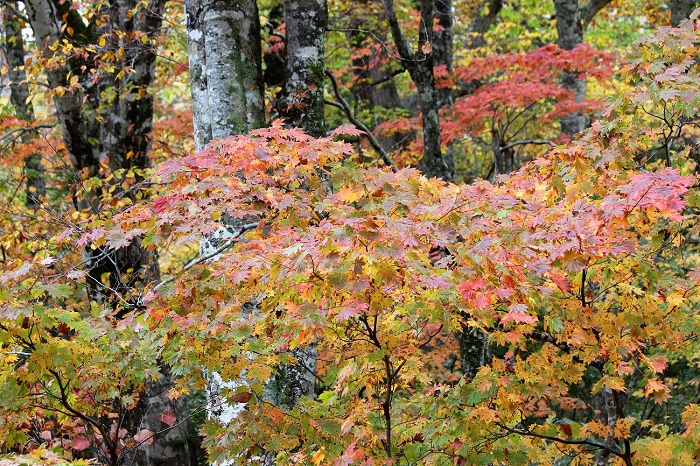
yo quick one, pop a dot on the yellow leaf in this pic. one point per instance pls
(622, 428)
(317, 457)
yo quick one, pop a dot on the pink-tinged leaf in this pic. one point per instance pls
(64, 234)
(347, 130)
(76, 274)
(83, 240)
(46, 435)
(80, 443)
(21, 271)
(145, 436)
(168, 418)
(694, 274)
(657, 363)
(469, 287)
(561, 282)
(48, 261)
(150, 296)
(261, 153)
(118, 239)
(351, 309)
(518, 313)
(160, 204)
(482, 301)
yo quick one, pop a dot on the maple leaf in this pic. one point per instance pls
(351, 309)
(347, 130)
(81, 443)
(168, 417)
(561, 282)
(144, 436)
(518, 313)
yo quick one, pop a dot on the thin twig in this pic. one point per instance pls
(529, 141)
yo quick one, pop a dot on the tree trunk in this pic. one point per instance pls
(681, 10)
(303, 90)
(482, 22)
(227, 88)
(443, 34)
(570, 30)
(19, 92)
(420, 66)
(225, 68)
(112, 119)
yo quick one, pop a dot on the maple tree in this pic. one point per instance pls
(577, 264)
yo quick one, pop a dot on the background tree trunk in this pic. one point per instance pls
(570, 32)
(681, 10)
(225, 68)
(227, 99)
(19, 93)
(113, 119)
(303, 90)
(571, 23)
(420, 66)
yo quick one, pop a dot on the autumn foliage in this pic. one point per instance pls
(580, 266)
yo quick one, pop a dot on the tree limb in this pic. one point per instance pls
(528, 141)
(591, 9)
(230, 242)
(345, 107)
(14, 10)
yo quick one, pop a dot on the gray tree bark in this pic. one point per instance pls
(112, 119)
(374, 84)
(420, 64)
(570, 30)
(681, 10)
(571, 23)
(225, 68)
(443, 36)
(482, 22)
(19, 92)
(302, 105)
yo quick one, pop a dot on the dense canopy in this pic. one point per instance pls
(425, 232)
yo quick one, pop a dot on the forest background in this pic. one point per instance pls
(373, 232)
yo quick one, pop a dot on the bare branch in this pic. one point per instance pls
(345, 107)
(14, 10)
(230, 242)
(529, 141)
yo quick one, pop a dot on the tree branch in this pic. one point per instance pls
(591, 9)
(528, 141)
(230, 242)
(482, 23)
(345, 107)
(402, 45)
(529, 433)
(14, 10)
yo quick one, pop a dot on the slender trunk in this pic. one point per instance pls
(482, 22)
(306, 22)
(227, 99)
(443, 34)
(374, 86)
(420, 66)
(19, 92)
(570, 30)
